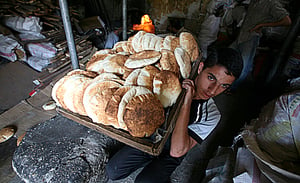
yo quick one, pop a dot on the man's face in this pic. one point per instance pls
(211, 82)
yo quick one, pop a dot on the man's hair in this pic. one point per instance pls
(227, 57)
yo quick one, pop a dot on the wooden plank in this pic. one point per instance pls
(120, 135)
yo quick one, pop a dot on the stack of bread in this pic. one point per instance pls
(129, 86)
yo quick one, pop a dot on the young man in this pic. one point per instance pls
(198, 116)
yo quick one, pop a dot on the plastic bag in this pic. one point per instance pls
(23, 25)
(11, 49)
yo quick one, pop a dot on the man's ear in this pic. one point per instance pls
(200, 68)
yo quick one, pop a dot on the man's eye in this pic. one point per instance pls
(211, 78)
(225, 86)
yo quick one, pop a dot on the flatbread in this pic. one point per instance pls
(132, 78)
(184, 62)
(145, 77)
(96, 97)
(71, 89)
(134, 91)
(189, 44)
(112, 107)
(136, 41)
(167, 87)
(143, 115)
(143, 58)
(168, 62)
(170, 43)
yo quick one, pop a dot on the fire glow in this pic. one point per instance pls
(146, 25)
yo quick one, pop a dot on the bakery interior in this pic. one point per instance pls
(72, 32)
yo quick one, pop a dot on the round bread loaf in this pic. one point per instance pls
(112, 63)
(63, 90)
(145, 77)
(143, 58)
(74, 88)
(168, 62)
(133, 92)
(89, 74)
(189, 44)
(78, 97)
(167, 87)
(6, 133)
(132, 78)
(120, 46)
(95, 58)
(170, 43)
(143, 115)
(184, 62)
(56, 90)
(96, 97)
(137, 41)
(146, 41)
(112, 107)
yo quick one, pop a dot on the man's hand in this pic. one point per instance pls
(190, 90)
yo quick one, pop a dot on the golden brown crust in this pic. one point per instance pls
(143, 58)
(168, 62)
(143, 115)
(184, 61)
(112, 107)
(189, 44)
(96, 97)
(145, 77)
(94, 59)
(167, 87)
(170, 43)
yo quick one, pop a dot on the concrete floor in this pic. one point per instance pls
(16, 81)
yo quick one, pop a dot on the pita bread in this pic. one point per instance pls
(130, 48)
(112, 107)
(71, 88)
(189, 44)
(143, 115)
(133, 92)
(168, 62)
(57, 89)
(106, 76)
(91, 64)
(112, 63)
(78, 97)
(145, 77)
(99, 55)
(167, 87)
(62, 86)
(136, 41)
(184, 62)
(143, 58)
(95, 98)
(170, 43)
(89, 74)
(131, 80)
(159, 45)
(119, 46)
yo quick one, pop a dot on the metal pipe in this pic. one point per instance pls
(124, 20)
(68, 31)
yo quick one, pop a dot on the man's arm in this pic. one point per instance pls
(285, 21)
(181, 142)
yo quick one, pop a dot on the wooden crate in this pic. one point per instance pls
(149, 145)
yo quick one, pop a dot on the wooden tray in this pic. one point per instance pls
(152, 145)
